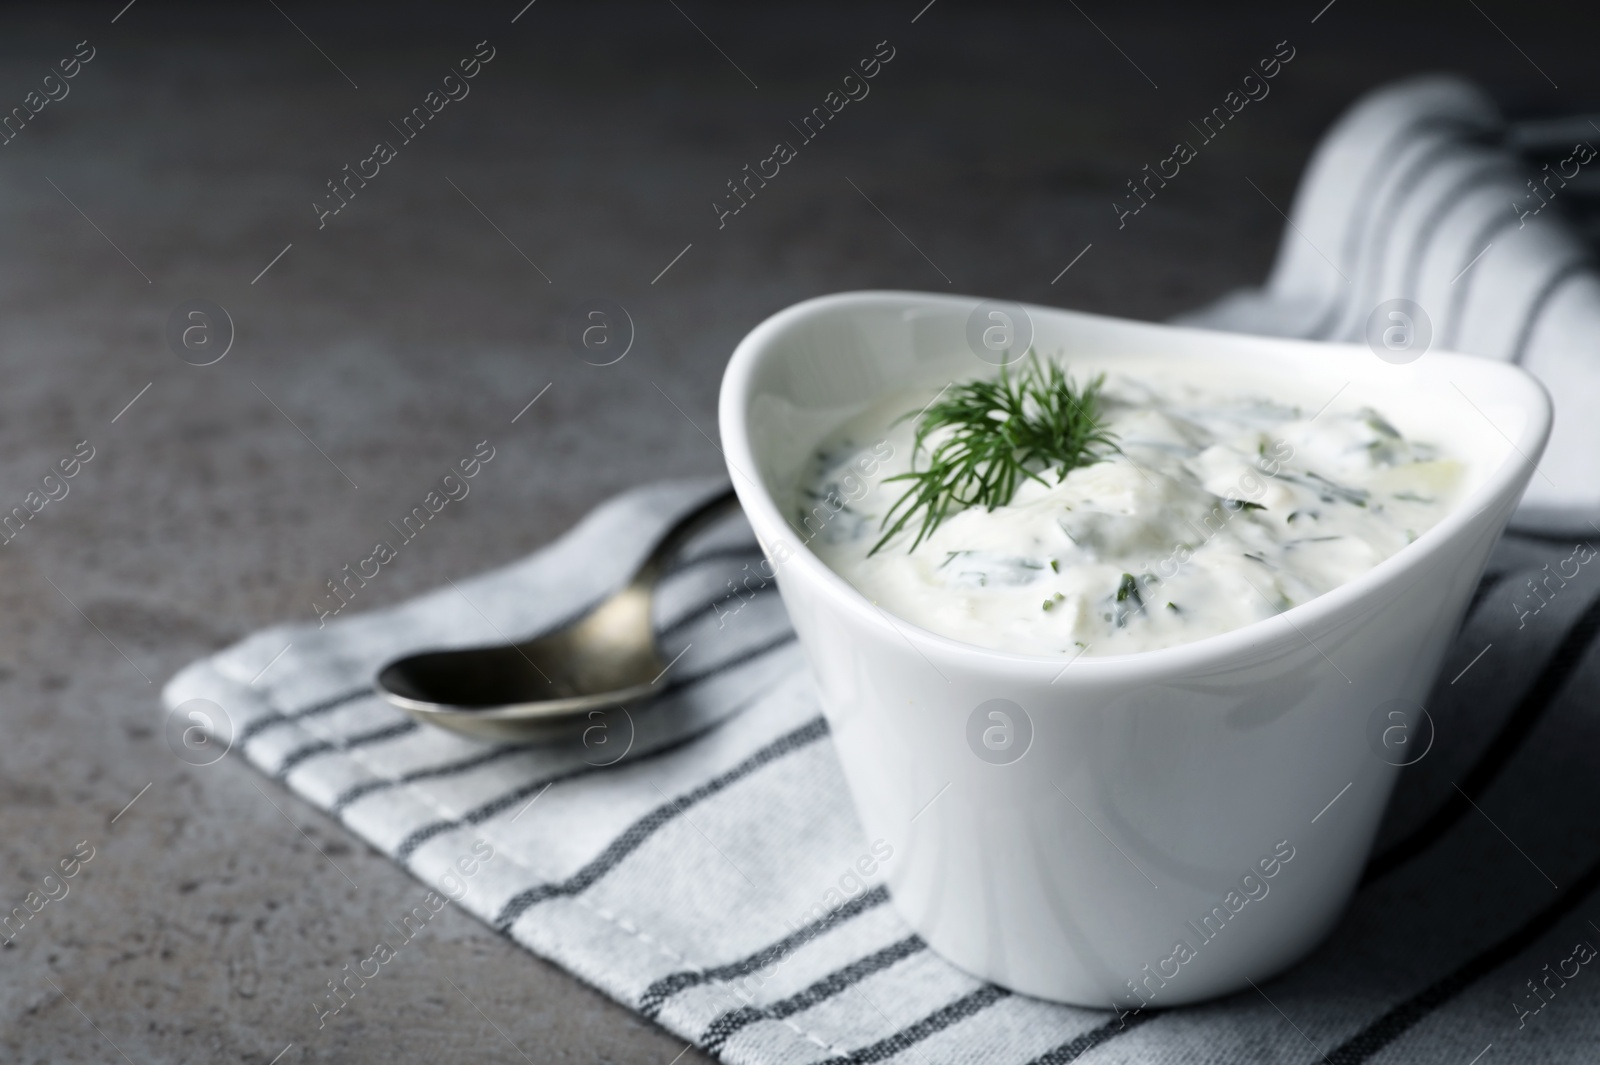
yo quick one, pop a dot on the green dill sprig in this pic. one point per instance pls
(997, 433)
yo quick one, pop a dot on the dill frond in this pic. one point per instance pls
(997, 433)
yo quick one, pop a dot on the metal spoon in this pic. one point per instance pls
(541, 688)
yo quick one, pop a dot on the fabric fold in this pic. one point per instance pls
(1418, 194)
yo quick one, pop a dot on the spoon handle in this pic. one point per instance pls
(672, 541)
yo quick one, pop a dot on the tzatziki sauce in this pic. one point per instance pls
(1224, 500)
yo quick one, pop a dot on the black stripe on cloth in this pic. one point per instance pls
(390, 731)
(1370, 281)
(723, 1028)
(1572, 268)
(697, 612)
(300, 754)
(361, 739)
(635, 834)
(351, 794)
(1451, 330)
(499, 804)
(1076, 1047)
(1355, 232)
(732, 661)
(277, 717)
(504, 801)
(1468, 182)
(932, 1024)
(367, 787)
(1393, 1024)
(681, 565)
(1519, 724)
(657, 993)
(1409, 133)
(731, 553)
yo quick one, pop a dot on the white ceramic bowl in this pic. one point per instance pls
(1116, 848)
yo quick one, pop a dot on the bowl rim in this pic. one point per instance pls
(1208, 652)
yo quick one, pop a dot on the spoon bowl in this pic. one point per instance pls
(545, 688)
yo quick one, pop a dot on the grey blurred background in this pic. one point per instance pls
(378, 349)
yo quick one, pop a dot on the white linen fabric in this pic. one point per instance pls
(698, 858)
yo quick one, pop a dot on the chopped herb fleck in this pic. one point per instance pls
(1358, 496)
(1378, 424)
(1128, 600)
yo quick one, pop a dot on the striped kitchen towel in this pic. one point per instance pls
(698, 858)
(1422, 200)
(700, 862)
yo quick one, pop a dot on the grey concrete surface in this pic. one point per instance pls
(187, 154)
